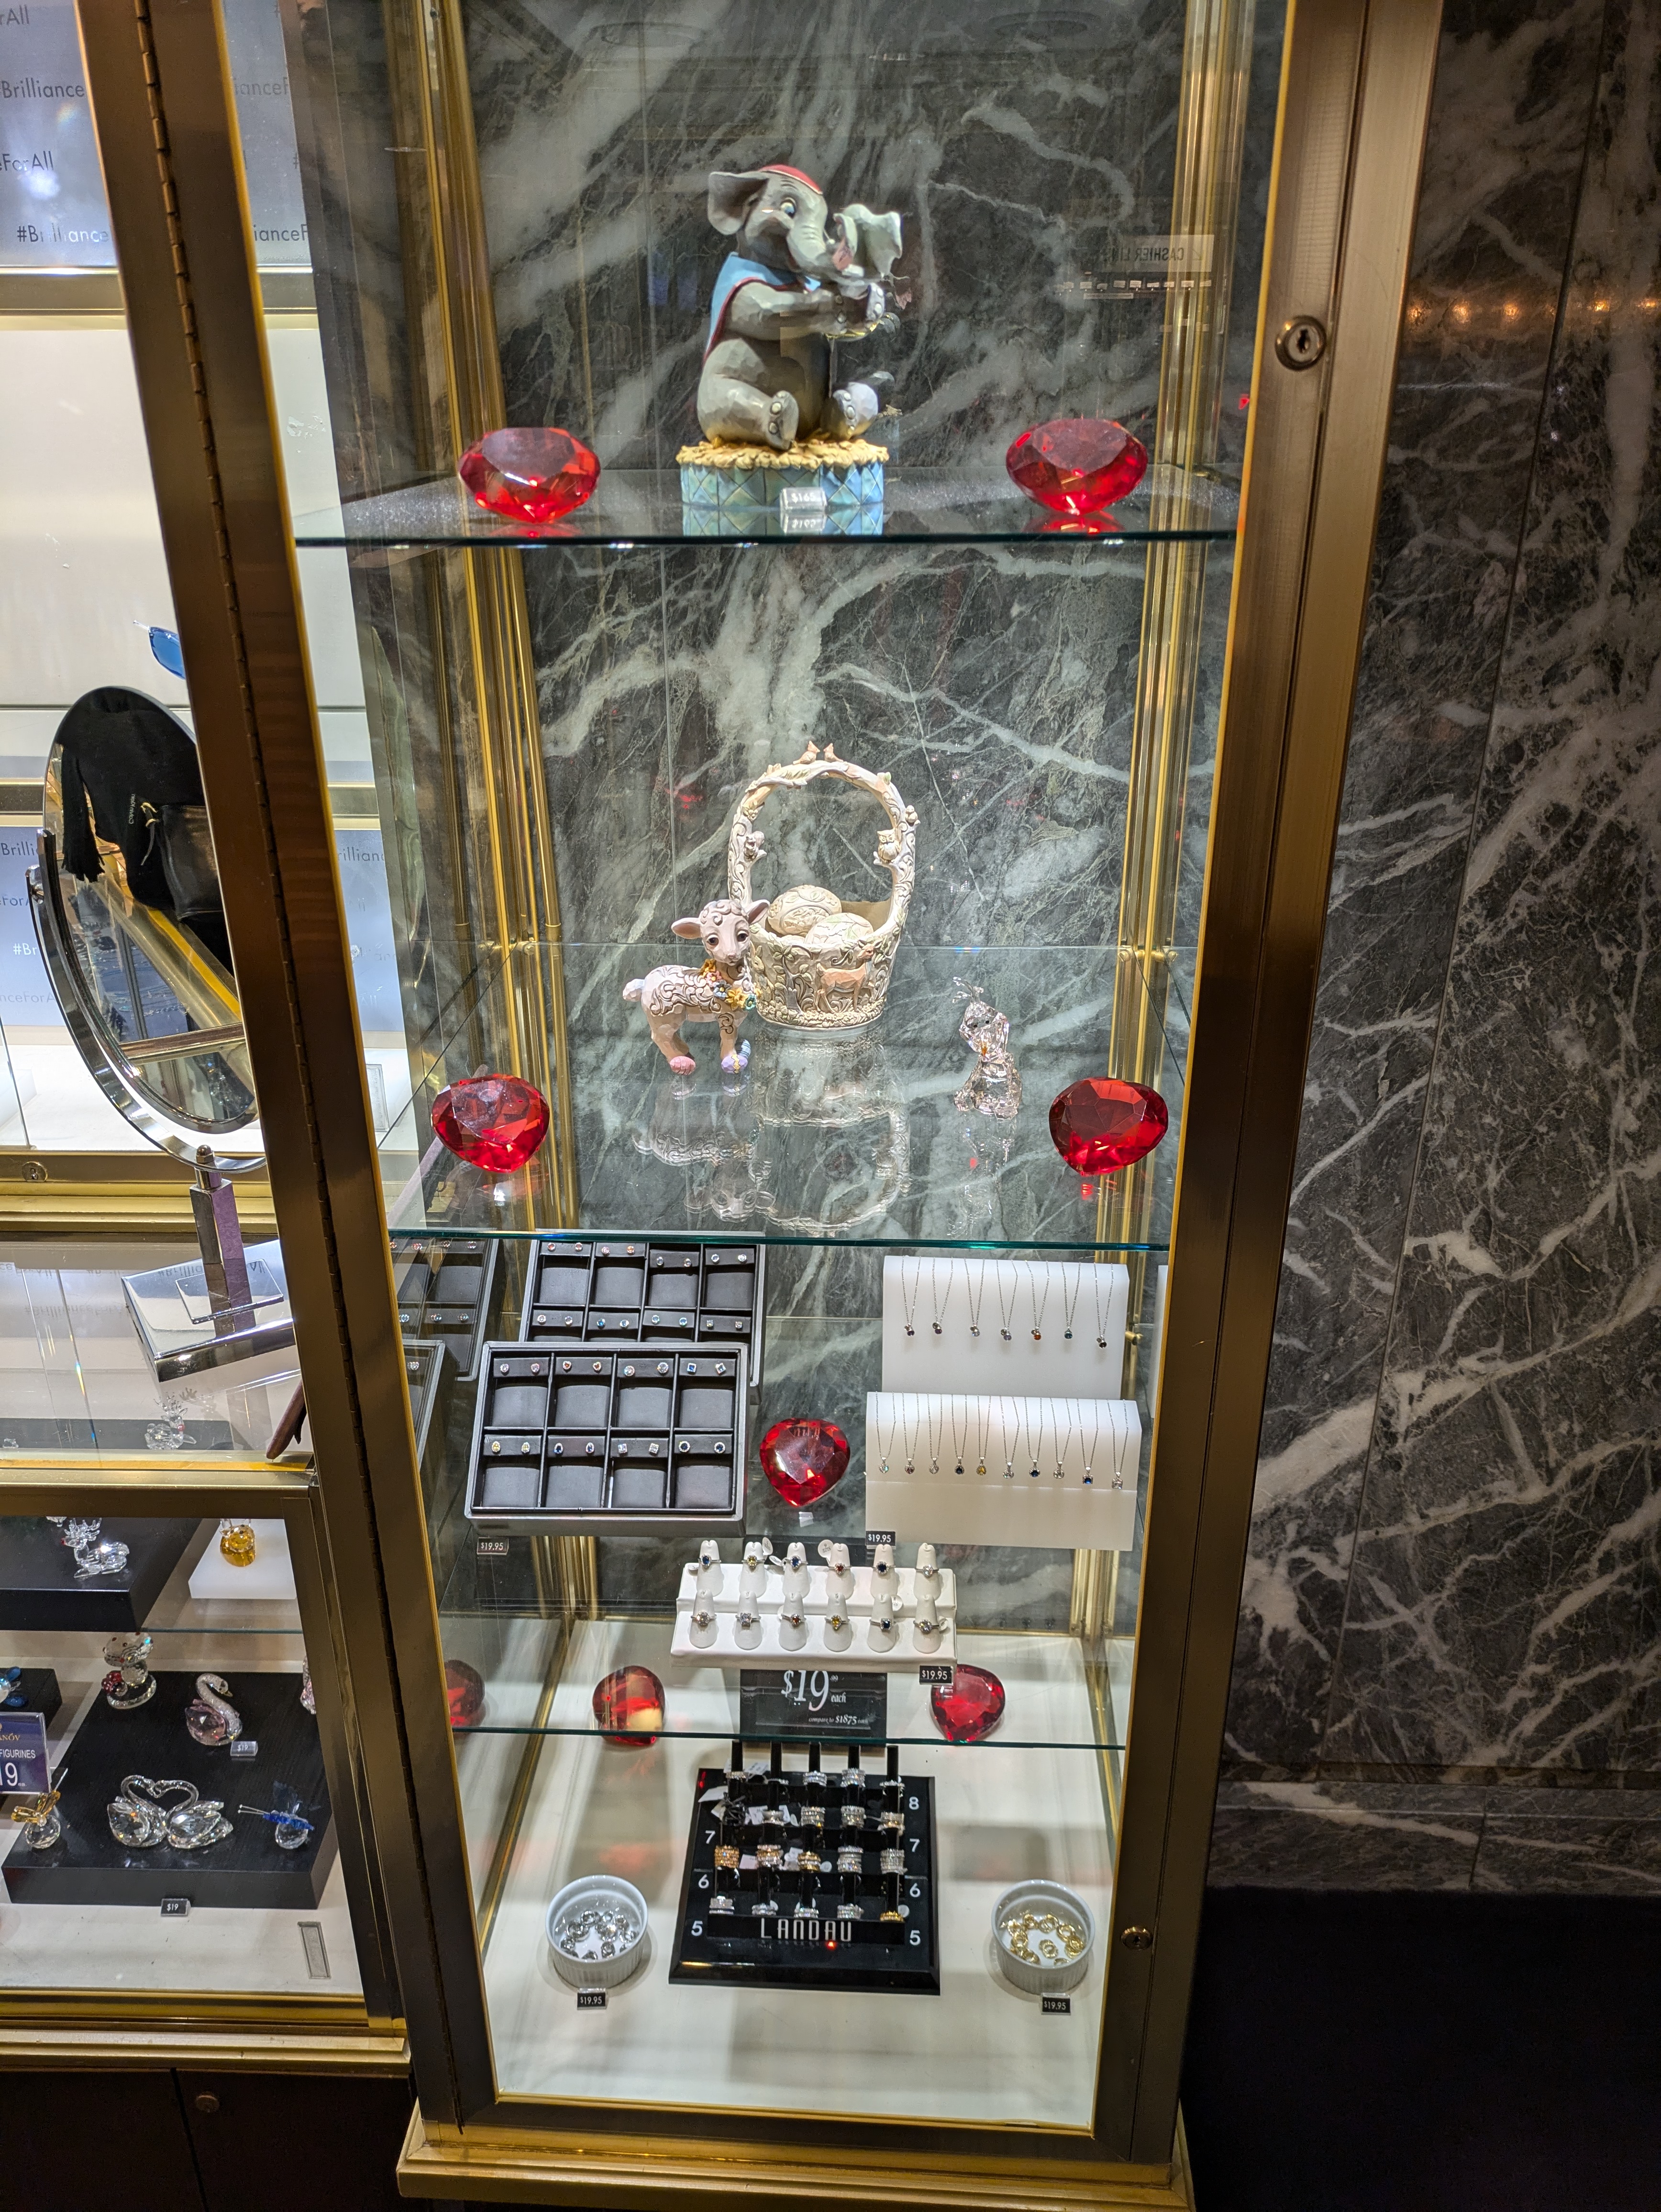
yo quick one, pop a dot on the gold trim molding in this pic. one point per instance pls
(499, 2165)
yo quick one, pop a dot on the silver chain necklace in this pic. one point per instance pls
(1063, 1449)
(1032, 1269)
(910, 1304)
(1006, 1310)
(1068, 1303)
(1097, 1273)
(974, 1297)
(939, 1305)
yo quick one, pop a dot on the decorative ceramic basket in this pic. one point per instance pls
(819, 962)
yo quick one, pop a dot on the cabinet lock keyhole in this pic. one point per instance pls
(1302, 341)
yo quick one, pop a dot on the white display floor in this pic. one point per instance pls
(1029, 1801)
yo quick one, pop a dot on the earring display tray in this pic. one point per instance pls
(602, 1438)
(423, 1371)
(445, 1286)
(1021, 1500)
(39, 1588)
(622, 1290)
(1037, 1302)
(811, 1939)
(86, 1866)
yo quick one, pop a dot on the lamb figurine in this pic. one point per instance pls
(719, 991)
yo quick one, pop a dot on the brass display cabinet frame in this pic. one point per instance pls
(253, 2030)
(1354, 98)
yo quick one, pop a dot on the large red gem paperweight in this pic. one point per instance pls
(1102, 1123)
(531, 475)
(494, 1122)
(971, 1708)
(1078, 465)
(803, 1459)
(465, 1687)
(629, 1705)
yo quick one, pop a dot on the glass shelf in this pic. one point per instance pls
(75, 1382)
(642, 507)
(855, 1136)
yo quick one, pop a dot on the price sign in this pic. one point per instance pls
(940, 1671)
(591, 2000)
(1058, 2004)
(814, 1701)
(246, 1747)
(23, 1754)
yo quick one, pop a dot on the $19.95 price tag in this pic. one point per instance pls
(23, 1754)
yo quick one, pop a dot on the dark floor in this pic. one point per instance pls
(1406, 2053)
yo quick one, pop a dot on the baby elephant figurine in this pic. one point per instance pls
(718, 991)
(798, 277)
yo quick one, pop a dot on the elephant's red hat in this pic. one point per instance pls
(784, 169)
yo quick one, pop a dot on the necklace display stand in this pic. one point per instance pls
(1014, 1507)
(1019, 1296)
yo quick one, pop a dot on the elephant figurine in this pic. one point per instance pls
(798, 279)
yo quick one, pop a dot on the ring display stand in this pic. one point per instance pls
(906, 1650)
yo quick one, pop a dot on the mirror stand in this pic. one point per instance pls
(219, 1240)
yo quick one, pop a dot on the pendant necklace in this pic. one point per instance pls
(911, 1419)
(1032, 1270)
(984, 1407)
(1063, 1449)
(1070, 1303)
(1096, 1274)
(886, 1443)
(1006, 1310)
(974, 1297)
(936, 1423)
(910, 1304)
(1095, 1438)
(1009, 1418)
(939, 1305)
(1032, 1432)
(1120, 1442)
(960, 1413)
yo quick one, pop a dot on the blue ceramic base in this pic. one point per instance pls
(806, 499)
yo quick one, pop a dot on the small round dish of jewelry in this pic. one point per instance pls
(596, 1931)
(1043, 1934)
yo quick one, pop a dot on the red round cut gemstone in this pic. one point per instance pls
(1078, 465)
(531, 475)
(803, 1459)
(1101, 1123)
(971, 1708)
(465, 1686)
(495, 1121)
(629, 1705)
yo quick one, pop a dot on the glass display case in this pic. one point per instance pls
(855, 534)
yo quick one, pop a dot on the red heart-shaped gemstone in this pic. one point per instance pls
(803, 1459)
(628, 1704)
(1078, 465)
(1101, 1123)
(531, 475)
(465, 1686)
(494, 1122)
(971, 1708)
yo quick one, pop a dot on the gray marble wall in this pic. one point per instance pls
(1452, 1606)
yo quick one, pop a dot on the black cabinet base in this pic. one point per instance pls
(86, 1866)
